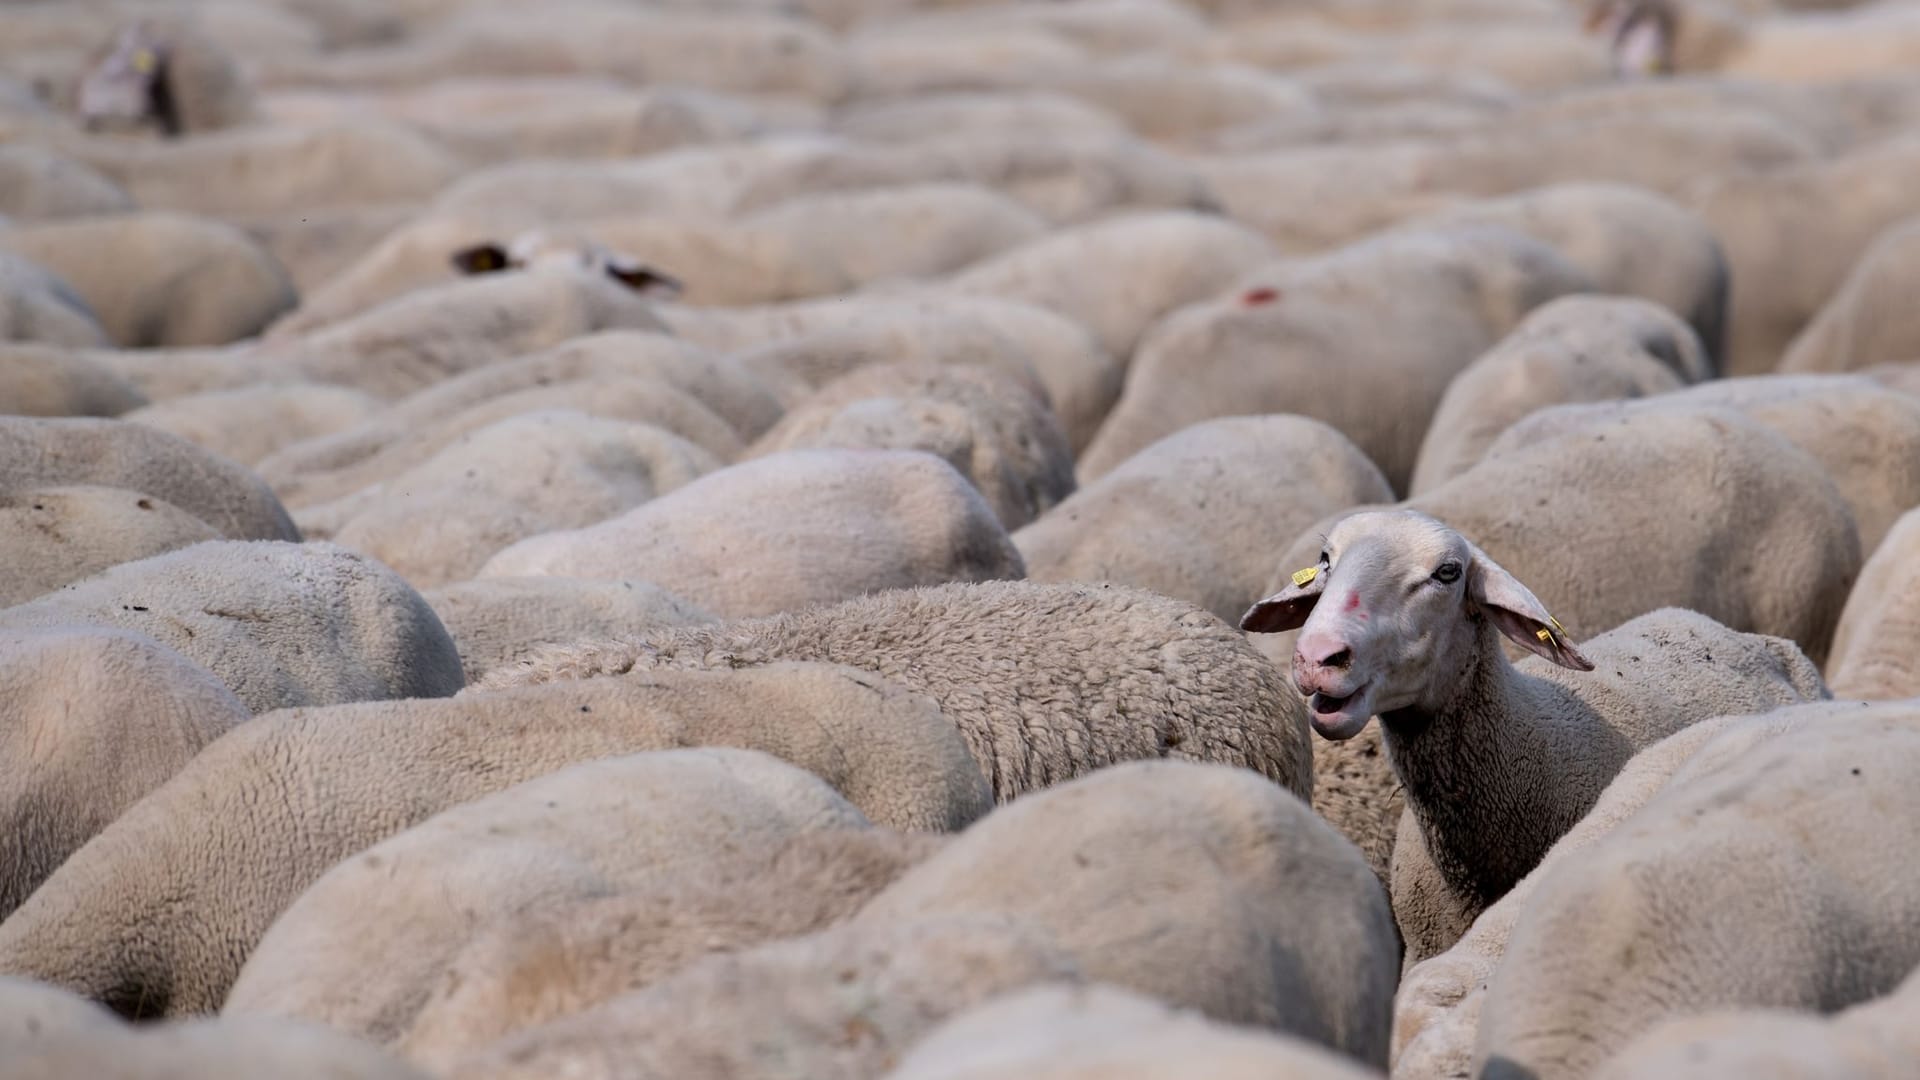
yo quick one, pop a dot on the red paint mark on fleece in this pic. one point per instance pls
(1353, 601)
(1260, 296)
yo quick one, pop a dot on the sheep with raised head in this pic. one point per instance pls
(1497, 761)
(1045, 681)
(156, 915)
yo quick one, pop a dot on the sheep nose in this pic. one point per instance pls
(1339, 660)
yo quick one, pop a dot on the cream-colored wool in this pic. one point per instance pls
(37, 307)
(501, 621)
(158, 913)
(1799, 840)
(788, 531)
(986, 424)
(557, 959)
(1866, 321)
(32, 1013)
(1437, 1011)
(252, 422)
(58, 452)
(538, 472)
(43, 380)
(246, 1046)
(1202, 885)
(38, 184)
(1574, 349)
(1066, 1032)
(1867, 436)
(1193, 516)
(161, 279)
(1045, 681)
(94, 719)
(364, 945)
(280, 624)
(1397, 316)
(1873, 653)
(1118, 276)
(54, 536)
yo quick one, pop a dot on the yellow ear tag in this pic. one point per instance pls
(1544, 634)
(1302, 577)
(143, 61)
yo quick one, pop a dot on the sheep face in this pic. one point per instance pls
(538, 251)
(128, 88)
(1393, 614)
(1640, 35)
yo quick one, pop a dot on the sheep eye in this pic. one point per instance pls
(1448, 573)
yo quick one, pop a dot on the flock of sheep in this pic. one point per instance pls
(959, 539)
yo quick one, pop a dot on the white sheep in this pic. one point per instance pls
(1045, 681)
(1497, 761)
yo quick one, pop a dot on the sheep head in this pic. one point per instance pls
(537, 250)
(1640, 35)
(1393, 613)
(128, 87)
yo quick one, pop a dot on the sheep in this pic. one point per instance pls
(1628, 240)
(1178, 102)
(850, 522)
(54, 536)
(1523, 747)
(983, 422)
(911, 117)
(281, 624)
(314, 245)
(1062, 1031)
(1871, 1039)
(209, 1047)
(737, 52)
(1440, 1001)
(1192, 516)
(162, 279)
(589, 830)
(259, 169)
(1118, 276)
(1801, 837)
(1662, 37)
(620, 375)
(1576, 348)
(1863, 322)
(890, 59)
(31, 1012)
(155, 916)
(60, 452)
(410, 343)
(37, 307)
(252, 422)
(38, 184)
(538, 472)
(1867, 436)
(564, 958)
(1265, 346)
(43, 380)
(1204, 886)
(499, 621)
(97, 720)
(1825, 213)
(174, 79)
(1872, 657)
(1039, 698)
(1080, 378)
(1102, 27)
(1315, 199)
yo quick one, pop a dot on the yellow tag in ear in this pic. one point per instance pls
(1302, 577)
(1544, 634)
(144, 61)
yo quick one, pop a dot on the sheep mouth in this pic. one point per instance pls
(1324, 703)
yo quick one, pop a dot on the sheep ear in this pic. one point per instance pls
(1520, 615)
(480, 259)
(1287, 609)
(642, 278)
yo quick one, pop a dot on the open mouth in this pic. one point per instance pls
(1329, 703)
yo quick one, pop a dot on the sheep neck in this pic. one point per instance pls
(1480, 769)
